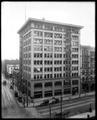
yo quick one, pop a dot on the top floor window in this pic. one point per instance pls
(48, 27)
(38, 25)
(58, 28)
(75, 31)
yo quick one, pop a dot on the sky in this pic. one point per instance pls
(14, 15)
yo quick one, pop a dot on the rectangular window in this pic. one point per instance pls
(48, 93)
(37, 47)
(48, 41)
(75, 31)
(74, 61)
(38, 26)
(38, 85)
(58, 83)
(74, 49)
(38, 33)
(48, 48)
(37, 69)
(58, 49)
(58, 42)
(48, 35)
(74, 37)
(58, 28)
(38, 41)
(75, 43)
(57, 35)
(74, 68)
(67, 91)
(75, 82)
(38, 94)
(58, 92)
(48, 27)
(74, 74)
(48, 84)
(74, 55)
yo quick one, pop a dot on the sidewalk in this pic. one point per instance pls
(32, 110)
(84, 115)
(82, 95)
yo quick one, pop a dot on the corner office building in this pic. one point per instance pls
(49, 59)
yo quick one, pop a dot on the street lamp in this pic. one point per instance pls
(61, 104)
(27, 94)
(50, 108)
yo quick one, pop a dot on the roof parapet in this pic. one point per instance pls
(46, 21)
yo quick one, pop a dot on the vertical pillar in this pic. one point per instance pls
(27, 93)
(53, 87)
(79, 73)
(43, 89)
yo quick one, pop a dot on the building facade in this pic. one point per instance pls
(11, 68)
(49, 59)
(87, 68)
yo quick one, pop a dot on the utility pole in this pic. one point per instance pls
(61, 105)
(50, 110)
(27, 94)
(61, 101)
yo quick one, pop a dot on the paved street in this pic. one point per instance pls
(74, 106)
(10, 108)
(84, 115)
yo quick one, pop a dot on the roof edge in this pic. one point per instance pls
(43, 20)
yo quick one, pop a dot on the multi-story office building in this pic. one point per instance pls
(49, 59)
(87, 66)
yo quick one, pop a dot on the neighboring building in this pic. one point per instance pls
(92, 69)
(49, 59)
(87, 66)
(3, 66)
(9, 66)
(15, 81)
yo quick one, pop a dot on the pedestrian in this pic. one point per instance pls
(88, 115)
